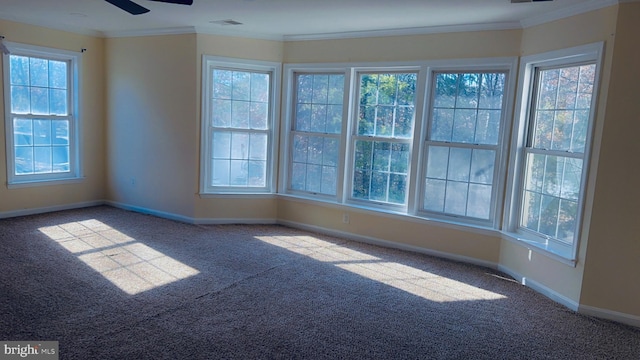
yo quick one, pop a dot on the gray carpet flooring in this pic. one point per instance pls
(112, 284)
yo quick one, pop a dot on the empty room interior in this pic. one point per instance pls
(489, 134)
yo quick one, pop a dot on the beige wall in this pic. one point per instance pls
(406, 48)
(221, 208)
(563, 279)
(612, 268)
(152, 151)
(91, 124)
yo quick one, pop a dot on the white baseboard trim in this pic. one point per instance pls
(143, 210)
(616, 316)
(542, 289)
(46, 209)
(388, 244)
(224, 221)
(188, 219)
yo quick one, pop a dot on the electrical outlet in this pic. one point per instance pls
(345, 218)
(132, 181)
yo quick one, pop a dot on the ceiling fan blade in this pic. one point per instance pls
(129, 6)
(180, 2)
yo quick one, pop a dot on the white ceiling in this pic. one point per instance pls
(292, 19)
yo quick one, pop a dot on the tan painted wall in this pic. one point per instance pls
(612, 271)
(152, 124)
(406, 48)
(260, 208)
(92, 123)
(582, 29)
(413, 232)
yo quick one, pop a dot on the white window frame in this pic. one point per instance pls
(353, 136)
(590, 53)
(73, 105)
(506, 65)
(209, 63)
(288, 132)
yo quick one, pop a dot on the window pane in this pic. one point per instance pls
(442, 125)
(58, 74)
(240, 114)
(258, 146)
(60, 158)
(562, 108)
(221, 145)
(43, 161)
(468, 91)
(445, 91)
(488, 127)
(260, 88)
(40, 101)
(221, 113)
(314, 178)
(20, 100)
(58, 102)
(39, 72)
(42, 132)
(239, 173)
(492, 91)
(387, 103)
(257, 173)
(259, 115)
(434, 192)
(551, 193)
(437, 162)
(459, 164)
(464, 124)
(19, 68)
(298, 176)
(482, 166)
(456, 198)
(24, 160)
(241, 86)
(381, 170)
(478, 201)
(221, 172)
(22, 132)
(222, 84)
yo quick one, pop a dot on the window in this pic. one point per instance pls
(238, 125)
(316, 132)
(554, 146)
(41, 100)
(382, 137)
(464, 144)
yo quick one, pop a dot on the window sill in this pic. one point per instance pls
(562, 254)
(51, 182)
(237, 195)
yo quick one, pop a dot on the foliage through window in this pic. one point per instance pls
(238, 127)
(464, 143)
(316, 132)
(41, 138)
(383, 137)
(555, 151)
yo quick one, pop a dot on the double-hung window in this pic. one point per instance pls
(41, 121)
(238, 125)
(316, 133)
(382, 137)
(554, 145)
(463, 150)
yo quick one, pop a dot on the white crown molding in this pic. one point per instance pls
(568, 12)
(150, 32)
(404, 32)
(239, 34)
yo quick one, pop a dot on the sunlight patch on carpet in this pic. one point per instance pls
(130, 265)
(415, 281)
